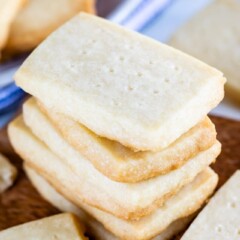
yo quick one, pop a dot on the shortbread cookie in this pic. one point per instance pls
(8, 11)
(8, 173)
(120, 163)
(120, 84)
(222, 215)
(185, 202)
(59, 162)
(94, 228)
(213, 36)
(39, 18)
(58, 227)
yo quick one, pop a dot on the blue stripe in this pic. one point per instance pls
(11, 99)
(10, 96)
(8, 90)
(13, 107)
(135, 11)
(155, 16)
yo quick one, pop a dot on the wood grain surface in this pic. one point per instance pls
(22, 203)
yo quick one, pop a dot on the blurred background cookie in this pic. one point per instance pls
(213, 36)
(39, 18)
(8, 11)
(8, 173)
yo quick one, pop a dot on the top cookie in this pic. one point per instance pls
(120, 84)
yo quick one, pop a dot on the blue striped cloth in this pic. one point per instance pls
(156, 18)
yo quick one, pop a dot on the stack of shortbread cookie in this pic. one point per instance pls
(118, 126)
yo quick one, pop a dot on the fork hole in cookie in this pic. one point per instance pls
(219, 229)
(98, 85)
(116, 104)
(176, 68)
(233, 205)
(130, 88)
(140, 104)
(111, 70)
(166, 80)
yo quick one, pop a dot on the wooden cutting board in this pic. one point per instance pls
(22, 203)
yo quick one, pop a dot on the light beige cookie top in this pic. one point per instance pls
(8, 173)
(121, 163)
(213, 36)
(58, 227)
(8, 11)
(120, 84)
(39, 18)
(220, 219)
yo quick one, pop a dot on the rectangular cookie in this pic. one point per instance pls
(160, 222)
(8, 11)
(48, 152)
(58, 227)
(212, 35)
(220, 219)
(8, 173)
(121, 85)
(119, 162)
(34, 23)
(93, 227)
